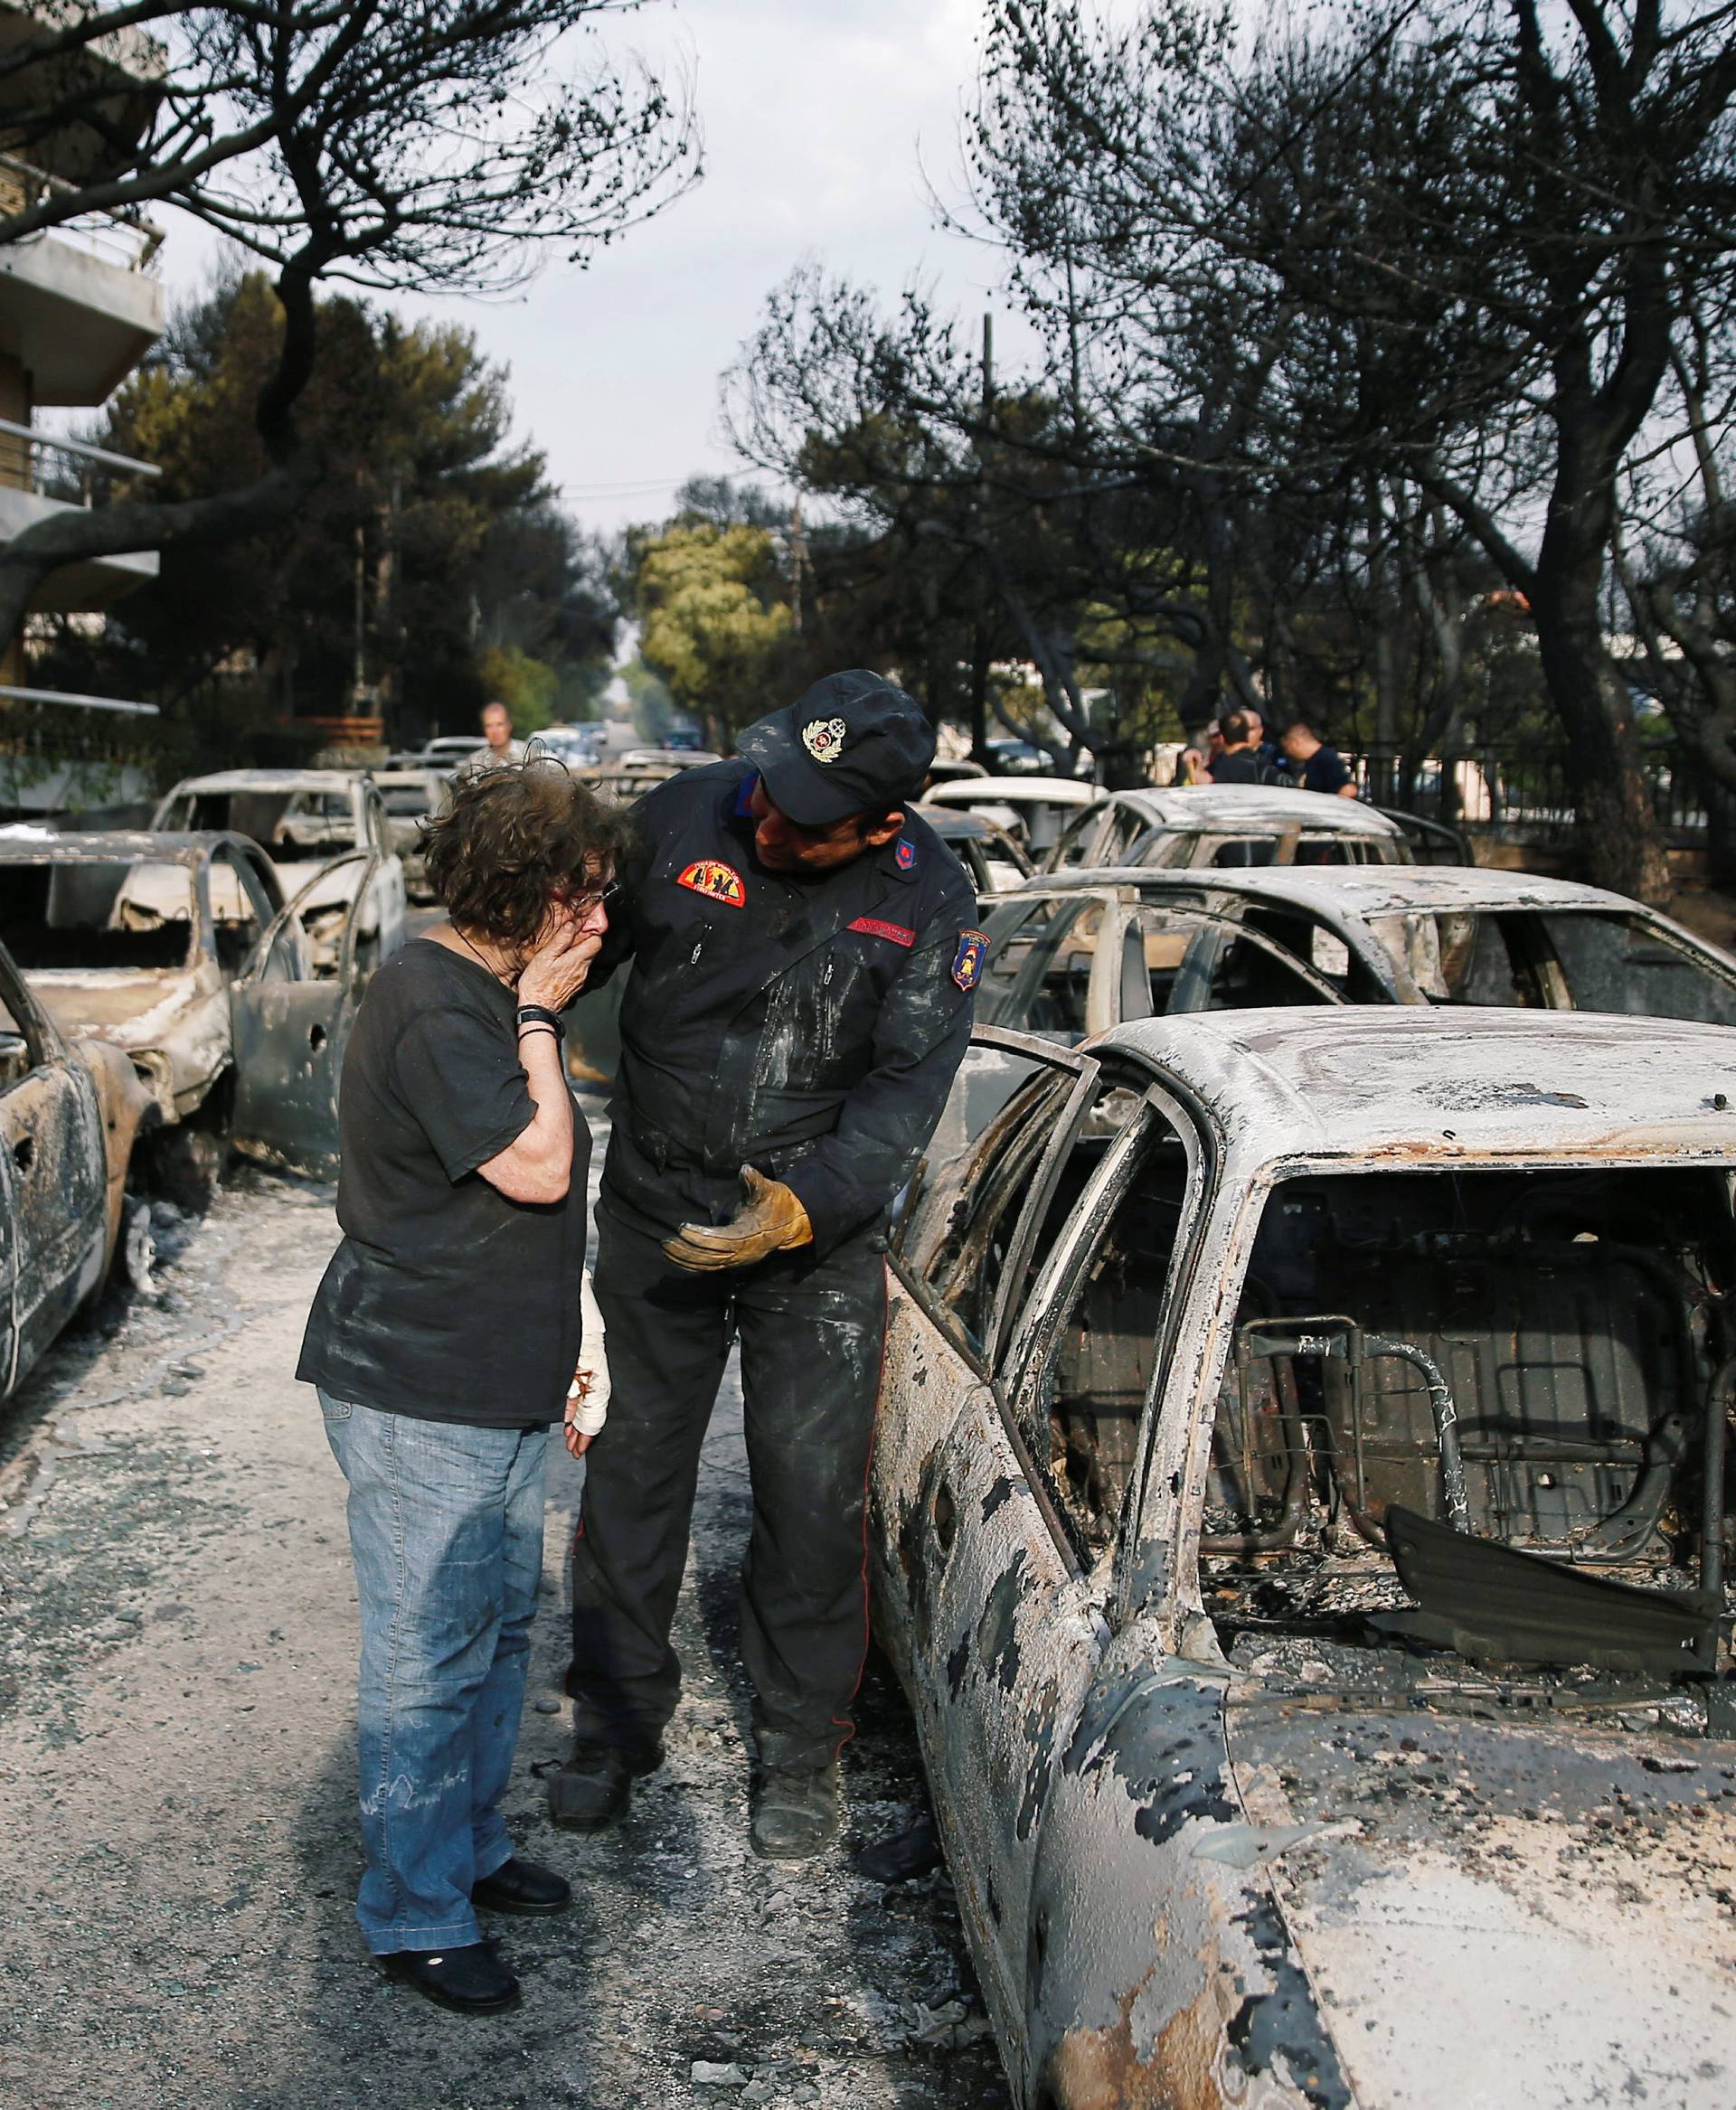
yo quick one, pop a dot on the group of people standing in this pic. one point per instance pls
(804, 956)
(1236, 750)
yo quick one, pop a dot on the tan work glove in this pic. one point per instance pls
(770, 1220)
(588, 1395)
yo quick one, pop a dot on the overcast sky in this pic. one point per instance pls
(818, 118)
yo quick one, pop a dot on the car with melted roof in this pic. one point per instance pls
(1300, 1513)
(1229, 824)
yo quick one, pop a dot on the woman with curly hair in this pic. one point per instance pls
(444, 1339)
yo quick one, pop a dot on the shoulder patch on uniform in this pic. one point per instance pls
(904, 855)
(894, 932)
(967, 961)
(744, 796)
(716, 881)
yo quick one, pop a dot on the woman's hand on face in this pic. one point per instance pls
(556, 971)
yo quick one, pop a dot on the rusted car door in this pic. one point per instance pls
(56, 1188)
(291, 1031)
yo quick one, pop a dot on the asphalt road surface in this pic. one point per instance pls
(176, 1775)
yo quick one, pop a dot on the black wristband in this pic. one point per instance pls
(540, 1014)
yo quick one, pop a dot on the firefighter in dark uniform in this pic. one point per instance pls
(803, 952)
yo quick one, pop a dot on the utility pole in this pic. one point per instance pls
(359, 684)
(980, 635)
(797, 561)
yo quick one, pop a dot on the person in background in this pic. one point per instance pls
(1267, 748)
(1240, 760)
(446, 1335)
(503, 750)
(1194, 764)
(1314, 766)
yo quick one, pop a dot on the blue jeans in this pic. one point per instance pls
(445, 1527)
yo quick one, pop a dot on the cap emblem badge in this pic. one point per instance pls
(824, 738)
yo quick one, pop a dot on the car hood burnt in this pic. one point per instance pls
(1494, 1912)
(133, 1007)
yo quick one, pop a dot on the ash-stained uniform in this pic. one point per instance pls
(810, 1027)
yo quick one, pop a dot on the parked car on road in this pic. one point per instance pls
(1077, 952)
(71, 1111)
(996, 860)
(179, 953)
(1033, 809)
(1072, 953)
(1299, 1516)
(410, 796)
(305, 819)
(1231, 825)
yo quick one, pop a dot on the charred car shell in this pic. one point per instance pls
(179, 953)
(1229, 824)
(146, 969)
(1231, 1821)
(70, 1114)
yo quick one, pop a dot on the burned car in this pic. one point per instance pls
(71, 1111)
(1076, 953)
(996, 860)
(1300, 1513)
(307, 822)
(1035, 810)
(1232, 825)
(177, 951)
(410, 796)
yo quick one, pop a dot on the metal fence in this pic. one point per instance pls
(1525, 788)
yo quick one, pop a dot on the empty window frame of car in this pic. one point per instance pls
(1056, 1273)
(1591, 959)
(1044, 976)
(88, 916)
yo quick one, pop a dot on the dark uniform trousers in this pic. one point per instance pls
(812, 1333)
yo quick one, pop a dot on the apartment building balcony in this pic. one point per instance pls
(41, 475)
(80, 305)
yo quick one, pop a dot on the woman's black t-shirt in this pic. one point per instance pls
(445, 1301)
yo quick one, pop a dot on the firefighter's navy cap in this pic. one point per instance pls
(853, 744)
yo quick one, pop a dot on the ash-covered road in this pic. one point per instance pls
(176, 1791)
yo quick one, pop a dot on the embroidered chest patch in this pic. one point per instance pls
(893, 933)
(967, 961)
(716, 881)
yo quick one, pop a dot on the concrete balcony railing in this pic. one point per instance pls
(60, 468)
(42, 474)
(79, 303)
(125, 239)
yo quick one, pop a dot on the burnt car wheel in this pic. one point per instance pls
(136, 1253)
(184, 1164)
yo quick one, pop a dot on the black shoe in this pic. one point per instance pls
(520, 1887)
(794, 1814)
(471, 1981)
(592, 1789)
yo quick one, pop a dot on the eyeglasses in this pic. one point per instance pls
(603, 897)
